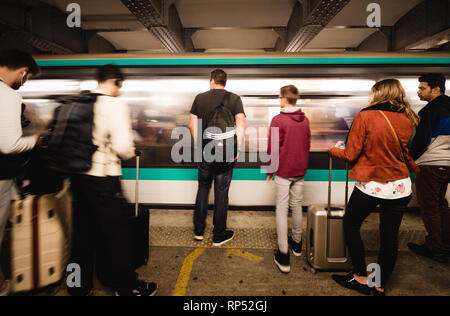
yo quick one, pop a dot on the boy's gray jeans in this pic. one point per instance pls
(289, 195)
(6, 187)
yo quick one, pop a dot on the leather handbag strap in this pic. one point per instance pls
(395, 135)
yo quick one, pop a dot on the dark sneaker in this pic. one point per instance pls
(349, 282)
(80, 292)
(447, 251)
(282, 261)
(375, 292)
(143, 289)
(198, 236)
(424, 251)
(220, 240)
(296, 247)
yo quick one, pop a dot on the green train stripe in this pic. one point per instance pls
(247, 61)
(238, 175)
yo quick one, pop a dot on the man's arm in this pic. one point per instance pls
(422, 136)
(193, 126)
(11, 135)
(240, 129)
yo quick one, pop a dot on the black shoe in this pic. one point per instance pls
(348, 281)
(424, 251)
(375, 292)
(447, 251)
(220, 240)
(143, 289)
(80, 292)
(296, 247)
(282, 261)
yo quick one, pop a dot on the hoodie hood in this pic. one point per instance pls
(295, 114)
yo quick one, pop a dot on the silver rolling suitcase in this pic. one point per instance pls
(325, 242)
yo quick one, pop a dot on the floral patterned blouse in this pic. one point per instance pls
(386, 190)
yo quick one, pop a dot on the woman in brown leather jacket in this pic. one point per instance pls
(376, 146)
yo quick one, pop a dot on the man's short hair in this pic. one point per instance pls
(14, 59)
(434, 80)
(219, 76)
(290, 93)
(107, 72)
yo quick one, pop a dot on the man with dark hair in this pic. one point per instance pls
(109, 72)
(100, 216)
(219, 76)
(431, 150)
(204, 105)
(16, 67)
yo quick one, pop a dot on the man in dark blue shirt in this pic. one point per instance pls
(431, 151)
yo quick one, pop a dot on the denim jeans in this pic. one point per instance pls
(6, 188)
(391, 215)
(207, 172)
(289, 195)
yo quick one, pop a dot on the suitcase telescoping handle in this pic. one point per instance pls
(329, 185)
(136, 193)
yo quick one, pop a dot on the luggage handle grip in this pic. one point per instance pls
(136, 194)
(329, 209)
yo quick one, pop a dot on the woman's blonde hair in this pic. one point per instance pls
(391, 91)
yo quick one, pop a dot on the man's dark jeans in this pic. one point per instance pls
(431, 188)
(207, 172)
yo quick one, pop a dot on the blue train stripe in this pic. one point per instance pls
(167, 174)
(246, 61)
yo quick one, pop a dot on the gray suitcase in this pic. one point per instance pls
(325, 243)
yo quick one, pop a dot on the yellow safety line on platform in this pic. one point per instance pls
(244, 254)
(185, 273)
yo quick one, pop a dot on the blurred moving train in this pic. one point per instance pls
(160, 90)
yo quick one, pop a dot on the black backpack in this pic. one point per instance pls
(221, 131)
(69, 148)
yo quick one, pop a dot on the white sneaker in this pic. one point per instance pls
(6, 290)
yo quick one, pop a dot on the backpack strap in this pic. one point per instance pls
(225, 98)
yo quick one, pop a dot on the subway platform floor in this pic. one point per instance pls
(245, 265)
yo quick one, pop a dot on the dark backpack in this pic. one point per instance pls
(69, 147)
(221, 131)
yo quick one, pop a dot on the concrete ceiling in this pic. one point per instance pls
(234, 13)
(234, 25)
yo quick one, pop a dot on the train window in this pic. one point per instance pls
(160, 105)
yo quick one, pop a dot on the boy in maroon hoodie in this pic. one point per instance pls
(294, 140)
